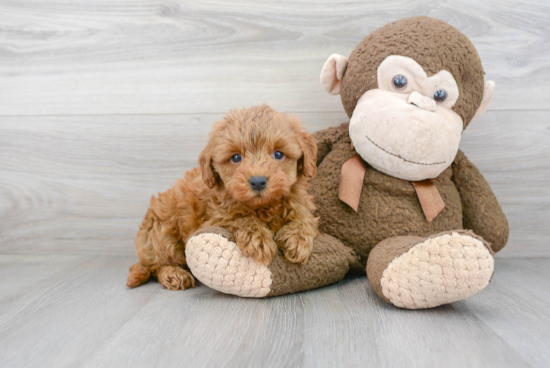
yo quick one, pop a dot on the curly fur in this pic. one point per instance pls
(218, 193)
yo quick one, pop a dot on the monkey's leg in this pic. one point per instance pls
(216, 261)
(414, 273)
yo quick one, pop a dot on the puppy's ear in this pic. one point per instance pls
(308, 163)
(209, 176)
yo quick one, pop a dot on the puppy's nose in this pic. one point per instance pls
(258, 182)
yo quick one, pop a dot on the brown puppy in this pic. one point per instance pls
(252, 180)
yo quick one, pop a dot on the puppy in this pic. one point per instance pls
(252, 180)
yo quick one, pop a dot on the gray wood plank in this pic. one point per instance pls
(153, 56)
(369, 332)
(86, 317)
(345, 325)
(68, 318)
(515, 306)
(83, 183)
(512, 150)
(23, 278)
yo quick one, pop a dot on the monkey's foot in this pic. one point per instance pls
(414, 273)
(215, 260)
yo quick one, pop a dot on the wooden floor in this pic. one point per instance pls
(76, 311)
(104, 103)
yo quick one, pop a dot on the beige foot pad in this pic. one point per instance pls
(218, 263)
(439, 270)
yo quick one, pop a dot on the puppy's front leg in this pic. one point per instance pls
(296, 238)
(254, 239)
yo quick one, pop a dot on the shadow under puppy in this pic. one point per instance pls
(252, 180)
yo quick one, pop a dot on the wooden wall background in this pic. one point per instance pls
(104, 103)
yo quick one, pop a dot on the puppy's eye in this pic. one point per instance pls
(399, 82)
(236, 158)
(278, 155)
(440, 95)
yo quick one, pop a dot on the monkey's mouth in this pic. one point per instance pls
(404, 159)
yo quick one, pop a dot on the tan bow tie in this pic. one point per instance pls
(351, 185)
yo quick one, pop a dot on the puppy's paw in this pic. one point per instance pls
(138, 275)
(297, 249)
(175, 278)
(256, 243)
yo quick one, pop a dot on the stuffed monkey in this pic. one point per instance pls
(410, 209)
(392, 183)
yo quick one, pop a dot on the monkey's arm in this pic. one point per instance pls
(327, 137)
(480, 209)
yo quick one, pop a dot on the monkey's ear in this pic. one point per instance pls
(308, 163)
(209, 176)
(487, 96)
(333, 72)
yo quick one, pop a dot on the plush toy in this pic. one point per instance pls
(391, 184)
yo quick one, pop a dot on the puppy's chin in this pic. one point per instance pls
(261, 200)
(254, 199)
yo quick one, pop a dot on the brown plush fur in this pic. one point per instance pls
(432, 43)
(219, 194)
(389, 207)
(329, 262)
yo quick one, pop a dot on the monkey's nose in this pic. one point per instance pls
(258, 182)
(422, 101)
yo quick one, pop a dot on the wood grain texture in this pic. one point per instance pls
(151, 57)
(72, 312)
(82, 315)
(521, 291)
(105, 103)
(83, 183)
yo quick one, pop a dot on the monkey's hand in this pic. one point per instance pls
(480, 208)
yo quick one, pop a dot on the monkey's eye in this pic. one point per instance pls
(440, 95)
(399, 82)
(236, 158)
(278, 155)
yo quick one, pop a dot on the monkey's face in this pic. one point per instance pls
(406, 127)
(410, 88)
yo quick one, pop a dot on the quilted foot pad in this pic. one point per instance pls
(219, 264)
(437, 271)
